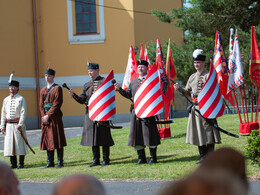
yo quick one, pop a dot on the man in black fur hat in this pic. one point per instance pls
(95, 134)
(53, 136)
(143, 132)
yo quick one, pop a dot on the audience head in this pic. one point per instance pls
(206, 183)
(229, 160)
(8, 181)
(79, 185)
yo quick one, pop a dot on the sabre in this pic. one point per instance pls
(27, 143)
(215, 125)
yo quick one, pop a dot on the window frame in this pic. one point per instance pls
(98, 37)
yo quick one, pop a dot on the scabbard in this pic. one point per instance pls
(216, 126)
(108, 125)
(27, 143)
(164, 122)
(207, 120)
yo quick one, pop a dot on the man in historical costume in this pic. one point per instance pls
(95, 134)
(12, 125)
(143, 132)
(53, 136)
(199, 132)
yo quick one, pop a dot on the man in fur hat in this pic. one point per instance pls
(53, 136)
(143, 132)
(94, 134)
(199, 132)
(12, 125)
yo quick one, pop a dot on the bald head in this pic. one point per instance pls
(79, 185)
(8, 181)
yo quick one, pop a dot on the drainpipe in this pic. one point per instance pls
(36, 63)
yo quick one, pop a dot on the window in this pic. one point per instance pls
(85, 16)
(86, 21)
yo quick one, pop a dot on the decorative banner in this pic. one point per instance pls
(146, 58)
(254, 70)
(148, 98)
(231, 46)
(170, 70)
(211, 103)
(164, 81)
(220, 65)
(101, 104)
(236, 77)
(141, 55)
(131, 69)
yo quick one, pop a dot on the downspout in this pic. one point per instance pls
(36, 63)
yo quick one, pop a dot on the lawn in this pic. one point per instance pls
(176, 158)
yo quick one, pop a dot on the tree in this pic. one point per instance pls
(200, 22)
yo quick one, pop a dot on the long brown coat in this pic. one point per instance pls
(199, 132)
(143, 132)
(93, 134)
(52, 136)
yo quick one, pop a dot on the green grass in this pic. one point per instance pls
(176, 158)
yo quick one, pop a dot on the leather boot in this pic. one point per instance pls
(96, 156)
(210, 148)
(60, 158)
(21, 162)
(153, 156)
(50, 159)
(141, 157)
(106, 159)
(13, 160)
(203, 152)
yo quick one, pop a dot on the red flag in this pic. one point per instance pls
(141, 56)
(220, 65)
(210, 101)
(164, 81)
(101, 104)
(146, 58)
(148, 98)
(170, 70)
(131, 69)
(254, 70)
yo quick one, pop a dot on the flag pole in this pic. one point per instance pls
(257, 108)
(252, 102)
(245, 102)
(242, 101)
(238, 112)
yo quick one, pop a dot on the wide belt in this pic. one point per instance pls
(12, 120)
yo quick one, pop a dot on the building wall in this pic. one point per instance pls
(123, 28)
(17, 49)
(147, 27)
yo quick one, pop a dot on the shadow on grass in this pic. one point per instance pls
(168, 158)
(179, 135)
(77, 163)
(35, 165)
(123, 160)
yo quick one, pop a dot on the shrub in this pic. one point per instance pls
(253, 147)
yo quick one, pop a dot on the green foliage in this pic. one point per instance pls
(253, 147)
(200, 23)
